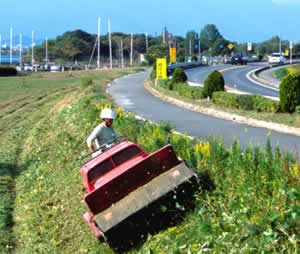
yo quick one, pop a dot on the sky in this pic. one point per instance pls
(237, 20)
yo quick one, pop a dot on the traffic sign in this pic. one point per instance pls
(249, 46)
(173, 55)
(161, 68)
(230, 46)
(287, 52)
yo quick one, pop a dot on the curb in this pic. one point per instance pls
(281, 128)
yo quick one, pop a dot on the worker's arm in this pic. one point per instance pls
(92, 138)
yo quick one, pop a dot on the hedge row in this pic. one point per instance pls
(6, 71)
(183, 89)
(246, 102)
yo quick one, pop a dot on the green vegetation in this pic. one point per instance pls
(290, 92)
(283, 72)
(246, 102)
(228, 102)
(157, 51)
(213, 83)
(253, 208)
(6, 71)
(179, 76)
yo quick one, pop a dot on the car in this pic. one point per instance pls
(239, 58)
(276, 58)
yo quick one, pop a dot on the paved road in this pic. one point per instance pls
(235, 78)
(129, 93)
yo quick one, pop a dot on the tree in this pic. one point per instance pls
(193, 37)
(157, 51)
(209, 35)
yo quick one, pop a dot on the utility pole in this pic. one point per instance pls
(199, 48)
(11, 45)
(98, 58)
(110, 50)
(46, 50)
(280, 43)
(147, 45)
(122, 55)
(131, 50)
(32, 48)
(0, 48)
(20, 50)
(190, 48)
(291, 52)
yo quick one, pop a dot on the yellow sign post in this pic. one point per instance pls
(287, 53)
(173, 55)
(161, 68)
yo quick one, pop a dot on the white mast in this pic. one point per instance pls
(122, 55)
(20, 49)
(98, 59)
(46, 50)
(110, 50)
(147, 43)
(32, 48)
(131, 50)
(11, 45)
(0, 48)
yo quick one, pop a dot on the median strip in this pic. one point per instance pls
(224, 115)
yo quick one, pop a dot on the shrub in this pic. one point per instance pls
(181, 59)
(213, 83)
(179, 76)
(194, 58)
(153, 72)
(246, 102)
(290, 92)
(7, 71)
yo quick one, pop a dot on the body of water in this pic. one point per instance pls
(5, 59)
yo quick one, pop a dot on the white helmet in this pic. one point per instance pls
(107, 113)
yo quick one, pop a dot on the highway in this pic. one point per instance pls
(129, 92)
(235, 78)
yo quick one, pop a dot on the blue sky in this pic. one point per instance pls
(239, 20)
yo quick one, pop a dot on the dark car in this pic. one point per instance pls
(239, 58)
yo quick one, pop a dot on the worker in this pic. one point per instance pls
(104, 133)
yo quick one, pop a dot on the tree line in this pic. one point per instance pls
(78, 45)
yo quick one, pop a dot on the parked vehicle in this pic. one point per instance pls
(239, 58)
(276, 58)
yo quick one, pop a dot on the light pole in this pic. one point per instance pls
(110, 49)
(98, 58)
(11, 46)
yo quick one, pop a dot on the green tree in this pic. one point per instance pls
(193, 37)
(157, 51)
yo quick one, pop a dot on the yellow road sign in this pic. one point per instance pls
(173, 55)
(287, 52)
(161, 68)
(230, 46)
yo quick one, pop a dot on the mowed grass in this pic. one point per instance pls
(24, 102)
(248, 201)
(283, 72)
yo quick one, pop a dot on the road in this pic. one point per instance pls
(236, 78)
(129, 92)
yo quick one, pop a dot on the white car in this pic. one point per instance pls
(276, 58)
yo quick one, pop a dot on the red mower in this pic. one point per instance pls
(124, 180)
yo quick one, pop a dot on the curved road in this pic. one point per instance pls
(235, 78)
(129, 93)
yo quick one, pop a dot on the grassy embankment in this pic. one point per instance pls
(282, 118)
(254, 207)
(283, 72)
